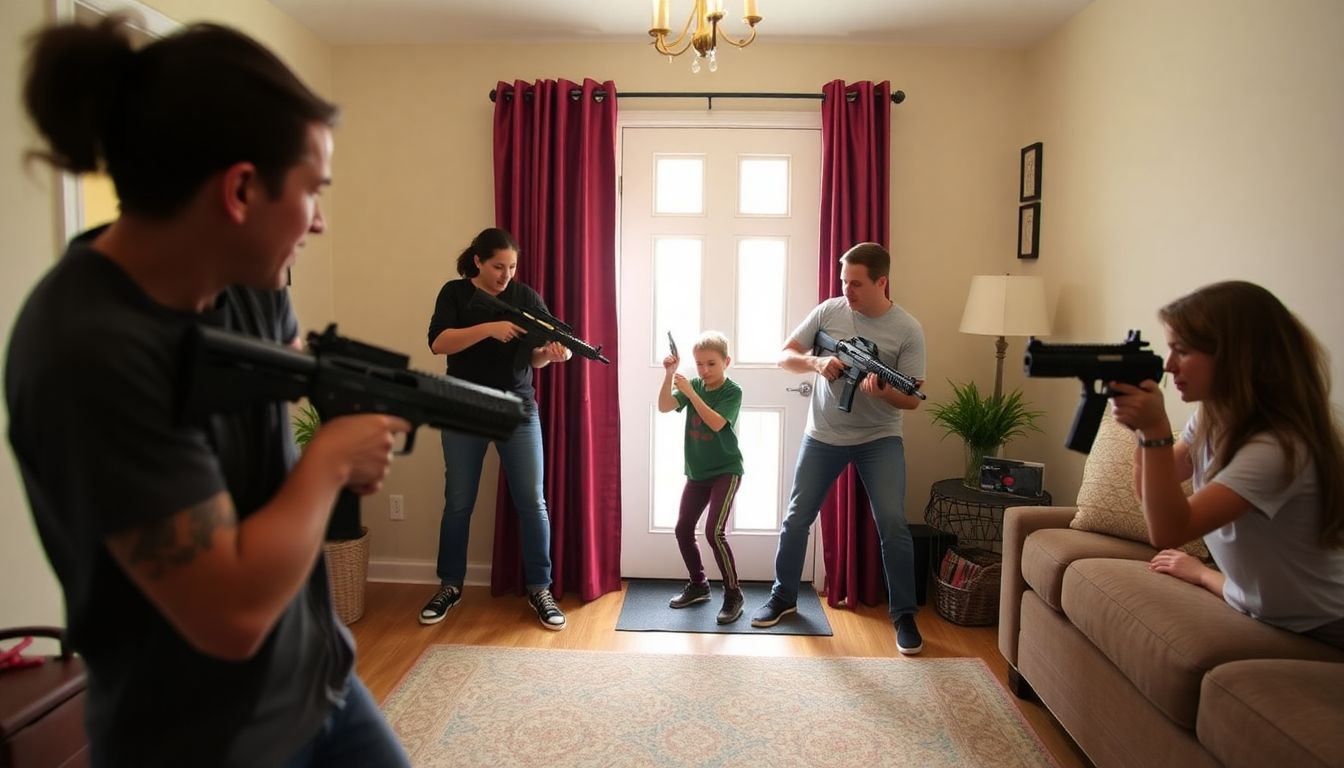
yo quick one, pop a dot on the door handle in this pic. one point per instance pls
(804, 389)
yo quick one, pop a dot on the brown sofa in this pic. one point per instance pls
(1143, 669)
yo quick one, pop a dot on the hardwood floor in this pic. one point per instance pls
(390, 639)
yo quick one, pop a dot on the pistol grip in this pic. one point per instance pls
(1087, 421)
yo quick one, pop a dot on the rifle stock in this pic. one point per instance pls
(859, 356)
(1130, 362)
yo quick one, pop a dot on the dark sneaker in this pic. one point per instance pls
(769, 614)
(908, 639)
(543, 602)
(732, 606)
(440, 604)
(692, 594)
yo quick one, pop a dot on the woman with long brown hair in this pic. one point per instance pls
(1264, 452)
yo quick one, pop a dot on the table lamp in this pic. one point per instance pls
(1005, 305)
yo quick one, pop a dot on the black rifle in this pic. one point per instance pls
(224, 371)
(540, 324)
(1131, 362)
(859, 356)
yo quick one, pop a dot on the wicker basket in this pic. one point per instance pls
(974, 603)
(347, 570)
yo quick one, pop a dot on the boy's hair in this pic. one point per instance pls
(163, 119)
(712, 341)
(483, 247)
(872, 256)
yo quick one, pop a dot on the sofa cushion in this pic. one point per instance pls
(1106, 499)
(1273, 712)
(1165, 634)
(1047, 553)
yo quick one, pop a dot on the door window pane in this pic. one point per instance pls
(759, 432)
(763, 186)
(669, 468)
(676, 292)
(762, 272)
(678, 184)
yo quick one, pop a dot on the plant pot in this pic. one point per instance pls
(974, 458)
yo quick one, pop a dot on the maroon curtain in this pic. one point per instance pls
(855, 208)
(555, 191)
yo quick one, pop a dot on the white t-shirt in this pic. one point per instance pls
(900, 344)
(1276, 571)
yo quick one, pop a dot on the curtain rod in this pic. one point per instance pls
(896, 96)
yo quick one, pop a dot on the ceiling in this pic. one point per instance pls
(991, 23)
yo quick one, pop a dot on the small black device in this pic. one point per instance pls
(1020, 478)
(672, 345)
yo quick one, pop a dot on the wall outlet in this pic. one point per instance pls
(396, 506)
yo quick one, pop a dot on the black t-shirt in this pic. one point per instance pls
(91, 377)
(489, 362)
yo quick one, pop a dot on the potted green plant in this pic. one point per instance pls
(983, 422)
(347, 541)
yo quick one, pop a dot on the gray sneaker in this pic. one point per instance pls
(692, 594)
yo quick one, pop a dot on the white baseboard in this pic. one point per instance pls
(421, 571)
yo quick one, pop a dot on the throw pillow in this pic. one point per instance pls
(1106, 499)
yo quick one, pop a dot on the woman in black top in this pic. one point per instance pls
(499, 354)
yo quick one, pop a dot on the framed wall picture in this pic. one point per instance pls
(1029, 231)
(1031, 173)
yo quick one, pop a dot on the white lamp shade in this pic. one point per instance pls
(1006, 305)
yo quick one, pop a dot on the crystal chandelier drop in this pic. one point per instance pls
(706, 14)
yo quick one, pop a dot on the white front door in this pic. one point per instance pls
(719, 231)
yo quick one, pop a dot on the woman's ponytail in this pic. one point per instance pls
(77, 74)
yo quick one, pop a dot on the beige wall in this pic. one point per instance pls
(1186, 143)
(100, 204)
(415, 175)
(28, 219)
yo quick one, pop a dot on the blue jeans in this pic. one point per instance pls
(354, 734)
(520, 459)
(881, 467)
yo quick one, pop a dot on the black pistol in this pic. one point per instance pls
(1131, 362)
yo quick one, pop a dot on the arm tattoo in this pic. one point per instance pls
(175, 540)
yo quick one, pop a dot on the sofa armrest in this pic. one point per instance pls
(1018, 523)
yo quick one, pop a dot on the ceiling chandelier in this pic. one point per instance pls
(706, 14)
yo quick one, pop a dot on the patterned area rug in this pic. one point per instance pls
(475, 706)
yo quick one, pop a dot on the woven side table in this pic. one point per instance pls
(976, 517)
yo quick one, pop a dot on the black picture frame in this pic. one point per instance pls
(1029, 187)
(1029, 231)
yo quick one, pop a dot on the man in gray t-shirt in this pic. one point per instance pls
(868, 435)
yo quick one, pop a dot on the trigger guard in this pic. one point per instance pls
(407, 446)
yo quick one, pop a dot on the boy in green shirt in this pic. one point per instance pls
(713, 466)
